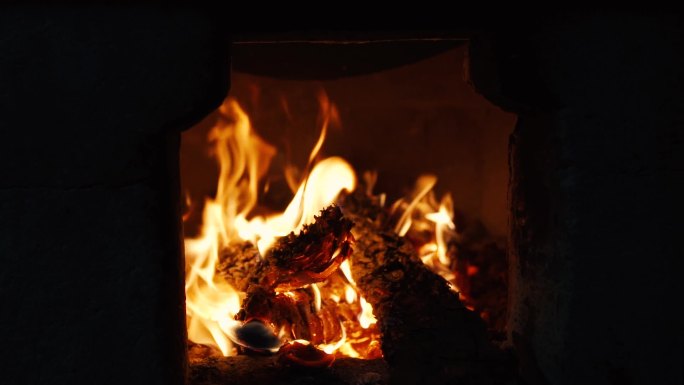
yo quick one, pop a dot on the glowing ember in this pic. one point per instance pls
(302, 353)
(262, 281)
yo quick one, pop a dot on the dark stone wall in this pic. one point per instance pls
(92, 101)
(596, 173)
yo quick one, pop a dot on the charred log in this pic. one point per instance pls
(237, 262)
(427, 332)
(295, 312)
(308, 257)
(278, 286)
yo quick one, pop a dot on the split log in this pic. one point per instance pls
(311, 256)
(428, 335)
(277, 285)
(237, 262)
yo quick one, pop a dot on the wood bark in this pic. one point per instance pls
(427, 333)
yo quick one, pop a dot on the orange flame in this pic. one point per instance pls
(244, 158)
(423, 213)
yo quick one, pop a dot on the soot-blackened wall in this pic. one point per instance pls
(596, 193)
(92, 101)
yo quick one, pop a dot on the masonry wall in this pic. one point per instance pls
(596, 193)
(92, 102)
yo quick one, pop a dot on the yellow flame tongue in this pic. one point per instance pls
(328, 178)
(244, 158)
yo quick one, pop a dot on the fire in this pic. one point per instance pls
(228, 219)
(211, 303)
(244, 158)
(366, 317)
(421, 214)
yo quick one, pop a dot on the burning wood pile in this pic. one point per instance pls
(338, 274)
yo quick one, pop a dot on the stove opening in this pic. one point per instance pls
(354, 218)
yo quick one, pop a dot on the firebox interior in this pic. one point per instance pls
(419, 117)
(402, 122)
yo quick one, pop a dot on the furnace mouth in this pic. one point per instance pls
(300, 257)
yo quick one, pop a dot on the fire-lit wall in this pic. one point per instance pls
(418, 118)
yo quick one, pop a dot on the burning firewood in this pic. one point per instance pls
(427, 333)
(312, 255)
(308, 257)
(294, 311)
(237, 261)
(278, 285)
